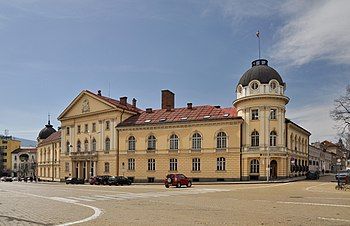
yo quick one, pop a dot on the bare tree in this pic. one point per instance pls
(341, 114)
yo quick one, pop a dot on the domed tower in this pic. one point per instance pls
(261, 103)
(45, 132)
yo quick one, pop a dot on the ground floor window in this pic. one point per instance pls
(106, 167)
(67, 166)
(173, 164)
(220, 164)
(151, 164)
(196, 164)
(131, 164)
(254, 166)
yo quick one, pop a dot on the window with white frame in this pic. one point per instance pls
(131, 143)
(254, 166)
(93, 144)
(196, 141)
(273, 138)
(255, 138)
(86, 145)
(131, 164)
(173, 164)
(273, 114)
(255, 114)
(196, 164)
(174, 142)
(107, 144)
(151, 164)
(106, 167)
(220, 164)
(151, 143)
(221, 140)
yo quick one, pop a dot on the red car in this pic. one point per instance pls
(177, 180)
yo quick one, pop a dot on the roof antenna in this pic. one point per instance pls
(258, 36)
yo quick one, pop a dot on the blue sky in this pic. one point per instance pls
(51, 50)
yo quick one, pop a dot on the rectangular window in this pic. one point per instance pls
(94, 127)
(107, 125)
(79, 129)
(221, 164)
(15, 165)
(67, 167)
(196, 164)
(255, 114)
(106, 167)
(273, 114)
(131, 164)
(173, 164)
(151, 164)
(86, 128)
(67, 130)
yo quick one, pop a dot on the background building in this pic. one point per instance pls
(7, 145)
(24, 162)
(252, 140)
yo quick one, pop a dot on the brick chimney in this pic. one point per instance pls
(189, 105)
(134, 102)
(168, 99)
(123, 100)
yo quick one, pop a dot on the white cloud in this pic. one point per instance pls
(316, 119)
(311, 32)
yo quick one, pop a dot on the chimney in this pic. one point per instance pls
(99, 92)
(168, 99)
(134, 102)
(148, 110)
(189, 105)
(123, 100)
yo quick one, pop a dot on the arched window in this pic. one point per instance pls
(93, 144)
(221, 140)
(273, 139)
(254, 166)
(86, 145)
(67, 147)
(78, 146)
(174, 142)
(221, 164)
(131, 143)
(107, 144)
(255, 138)
(151, 143)
(196, 141)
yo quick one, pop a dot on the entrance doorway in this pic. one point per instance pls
(273, 169)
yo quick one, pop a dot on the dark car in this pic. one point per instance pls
(119, 180)
(74, 180)
(342, 175)
(8, 179)
(313, 175)
(177, 180)
(94, 180)
(112, 181)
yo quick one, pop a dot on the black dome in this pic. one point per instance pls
(260, 71)
(46, 131)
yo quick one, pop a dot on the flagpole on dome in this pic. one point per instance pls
(258, 36)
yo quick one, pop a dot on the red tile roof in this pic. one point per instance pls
(53, 137)
(28, 149)
(117, 103)
(197, 113)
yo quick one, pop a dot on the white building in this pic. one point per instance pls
(24, 162)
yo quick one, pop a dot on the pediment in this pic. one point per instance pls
(84, 104)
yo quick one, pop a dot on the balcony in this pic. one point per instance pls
(83, 154)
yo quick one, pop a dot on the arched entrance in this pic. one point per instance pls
(273, 169)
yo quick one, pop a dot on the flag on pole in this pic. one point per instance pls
(258, 34)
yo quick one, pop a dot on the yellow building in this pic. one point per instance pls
(252, 140)
(7, 145)
(48, 154)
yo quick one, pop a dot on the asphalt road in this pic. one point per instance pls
(295, 203)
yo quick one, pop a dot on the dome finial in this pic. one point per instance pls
(258, 36)
(48, 118)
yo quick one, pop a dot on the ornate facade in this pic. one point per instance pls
(252, 140)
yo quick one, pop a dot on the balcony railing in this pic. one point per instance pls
(83, 153)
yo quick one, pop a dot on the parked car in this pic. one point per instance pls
(313, 175)
(74, 180)
(123, 180)
(98, 180)
(342, 175)
(93, 181)
(2, 179)
(112, 181)
(177, 180)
